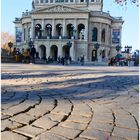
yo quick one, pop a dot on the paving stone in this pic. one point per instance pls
(44, 122)
(6, 124)
(94, 134)
(66, 132)
(12, 136)
(50, 136)
(40, 110)
(23, 118)
(101, 126)
(63, 108)
(126, 123)
(78, 119)
(73, 125)
(55, 117)
(29, 131)
(3, 117)
(103, 118)
(125, 133)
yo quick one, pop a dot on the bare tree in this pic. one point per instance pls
(5, 38)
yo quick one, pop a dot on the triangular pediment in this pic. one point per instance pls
(59, 9)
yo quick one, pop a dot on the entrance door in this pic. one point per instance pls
(66, 51)
(54, 52)
(94, 55)
(43, 52)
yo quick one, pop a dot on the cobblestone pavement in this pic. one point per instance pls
(41, 102)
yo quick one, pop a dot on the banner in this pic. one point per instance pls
(115, 36)
(18, 34)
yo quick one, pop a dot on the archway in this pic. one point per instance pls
(66, 51)
(94, 55)
(103, 54)
(81, 31)
(54, 52)
(42, 52)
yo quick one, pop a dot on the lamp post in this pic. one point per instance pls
(118, 48)
(97, 45)
(10, 45)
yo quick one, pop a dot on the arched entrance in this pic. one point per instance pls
(54, 52)
(49, 30)
(94, 55)
(66, 51)
(42, 52)
(103, 54)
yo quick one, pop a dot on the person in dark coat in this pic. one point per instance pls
(33, 53)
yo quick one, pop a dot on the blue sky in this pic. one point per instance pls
(14, 8)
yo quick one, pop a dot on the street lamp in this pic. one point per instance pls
(118, 48)
(128, 49)
(10, 45)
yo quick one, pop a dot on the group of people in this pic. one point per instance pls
(26, 55)
(60, 60)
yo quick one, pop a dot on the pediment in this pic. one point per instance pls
(59, 9)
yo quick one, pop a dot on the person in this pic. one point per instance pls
(62, 60)
(33, 52)
(109, 62)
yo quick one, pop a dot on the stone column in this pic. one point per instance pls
(72, 52)
(60, 50)
(99, 33)
(43, 27)
(86, 30)
(33, 29)
(48, 50)
(64, 27)
(107, 35)
(53, 27)
(75, 26)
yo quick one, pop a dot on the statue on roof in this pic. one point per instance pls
(33, 4)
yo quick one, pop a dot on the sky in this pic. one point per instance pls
(130, 14)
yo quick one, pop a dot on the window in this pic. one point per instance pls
(71, 0)
(103, 36)
(51, 1)
(24, 34)
(66, 0)
(41, 1)
(82, 0)
(92, 0)
(94, 34)
(46, 1)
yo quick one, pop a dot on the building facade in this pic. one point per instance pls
(72, 28)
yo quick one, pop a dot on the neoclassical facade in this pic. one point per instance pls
(69, 28)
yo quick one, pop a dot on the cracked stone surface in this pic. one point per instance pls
(47, 102)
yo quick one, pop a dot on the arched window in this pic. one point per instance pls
(41, 1)
(94, 34)
(38, 32)
(103, 36)
(81, 31)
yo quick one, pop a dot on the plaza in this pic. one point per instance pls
(52, 102)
